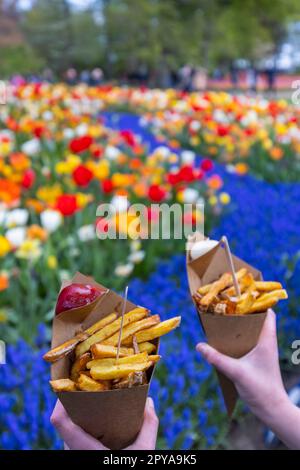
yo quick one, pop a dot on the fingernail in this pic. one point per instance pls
(202, 348)
(150, 402)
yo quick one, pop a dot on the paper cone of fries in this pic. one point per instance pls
(113, 416)
(234, 335)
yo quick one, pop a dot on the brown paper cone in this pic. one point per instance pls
(114, 417)
(232, 335)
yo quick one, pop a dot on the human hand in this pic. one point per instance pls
(256, 375)
(76, 438)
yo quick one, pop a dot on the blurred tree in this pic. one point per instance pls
(48, 28)
(152, 38)
(87, 48)
(19, 59)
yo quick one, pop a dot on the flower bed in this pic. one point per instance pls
(58, 163)
(50, 192)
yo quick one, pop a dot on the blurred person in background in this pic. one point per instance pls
(71, 76)
(96, 77)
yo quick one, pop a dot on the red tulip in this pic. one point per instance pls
(156, 193)
(80, 144)
(206, 165)
(67, 204)
(76, 295)
(82, 176)
(28, 179)
(107, 186)
(128, 137)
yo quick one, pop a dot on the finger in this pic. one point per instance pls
(268, 332)
(225, 364)
(146, 439)
(74, 437)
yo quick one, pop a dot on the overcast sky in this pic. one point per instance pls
(78, 3)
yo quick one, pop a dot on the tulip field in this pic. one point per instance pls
(65, 150)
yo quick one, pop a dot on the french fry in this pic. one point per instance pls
(134, 359)
(118, 371)
(147, 347)
(101, 323)
(98, 337)
(244, 304)
(132, 328)
(205, 289)
(63, 385)
(216, 287)
(245, 283)
(268, 300)
(266, 286)
(79, 365)
(156, 331)
(100, 351)
(88, 384)
(66, 348)
(154, 358)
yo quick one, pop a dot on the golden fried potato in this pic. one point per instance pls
(87, 384)
(66, 348)
(268, 300)
(245, 283)
(156, 331)
(101, 323)
(136, 358)
(98, 337)
(100, 350)
(267, 286)
(133, 328)
(63, 385)
(245, 303)
(117, 371)
(154, 358)
(147, 347)
(79, 365)
(239, 275)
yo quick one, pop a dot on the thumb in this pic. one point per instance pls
(146, 439)
(225, 364)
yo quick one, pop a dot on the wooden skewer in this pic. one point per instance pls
(230, 262)
(122, 321)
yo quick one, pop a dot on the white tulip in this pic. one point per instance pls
(111, 152)
(86, 233)
(82, 129)
(188, 157)
(202, 247)
(68, 133)
(190, 195)
(136, 257)
(195, 125)
(124, 270)
(51, 220)
(163, 151)
(16, 217)
(47, 115)
(31, 147)
(120, 203)
(16, 236)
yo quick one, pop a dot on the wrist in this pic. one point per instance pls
(273, 409)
